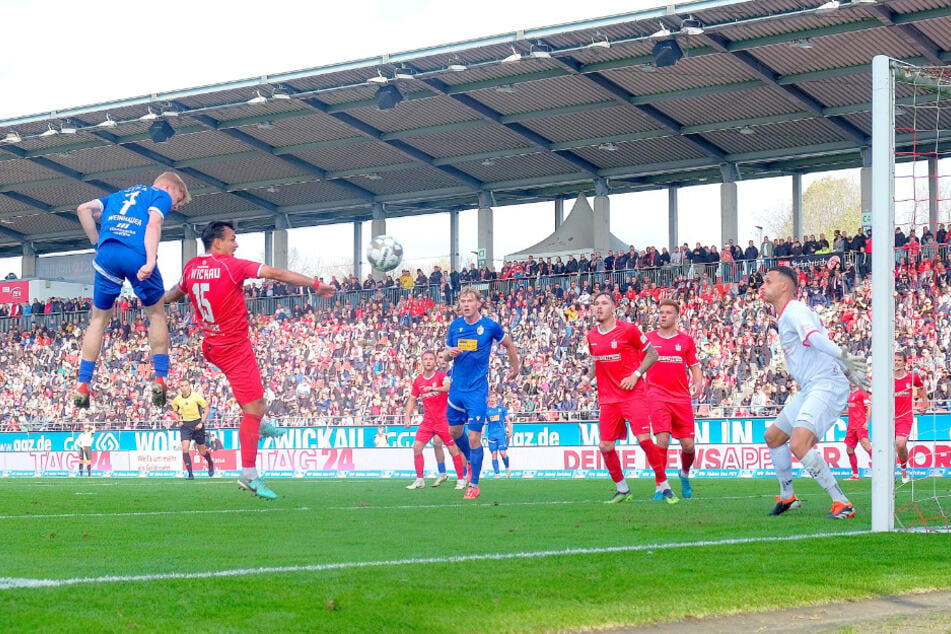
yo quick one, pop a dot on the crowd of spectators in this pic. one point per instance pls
(351, 362)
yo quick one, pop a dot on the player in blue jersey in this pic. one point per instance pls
(469, 344)
(498, 431)
(127, 249)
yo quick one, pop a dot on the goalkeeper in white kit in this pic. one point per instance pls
(823, 371)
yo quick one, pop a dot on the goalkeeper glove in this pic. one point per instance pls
(855, 369)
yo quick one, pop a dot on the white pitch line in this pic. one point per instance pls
(13, 583)
(148, 513)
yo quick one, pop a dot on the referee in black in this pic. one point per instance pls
(193, 410)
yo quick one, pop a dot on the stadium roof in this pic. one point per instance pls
(769, 86)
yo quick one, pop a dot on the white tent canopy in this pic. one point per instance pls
(575, 236)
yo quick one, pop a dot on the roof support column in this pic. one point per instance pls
(729, 203)
(602, 216)
(559, 212)
(279, 243)
(358, 249)
(797, 206)
(269, 247)
(865, 183)
(189, 243)
(486, 244)
(453, 240)
(933, 192)
(378, 228)
(673, 240)
(28, 262)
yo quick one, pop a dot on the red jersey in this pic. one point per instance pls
(434, 403)
(903, 396)
(616, 354)
(668, 375)
(859, 403)
(215, 285)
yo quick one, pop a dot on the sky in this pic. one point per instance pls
(80, 54)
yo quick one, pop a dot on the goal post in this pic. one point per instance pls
(883, 293)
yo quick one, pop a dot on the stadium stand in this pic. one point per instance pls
(340, 362)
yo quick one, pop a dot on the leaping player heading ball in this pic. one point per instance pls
(214, 283)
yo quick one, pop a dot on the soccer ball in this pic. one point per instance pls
(384, 253)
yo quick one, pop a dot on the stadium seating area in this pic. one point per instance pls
(350, 360)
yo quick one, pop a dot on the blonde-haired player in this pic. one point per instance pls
(127, 249)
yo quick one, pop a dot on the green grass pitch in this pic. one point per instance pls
(362, 555)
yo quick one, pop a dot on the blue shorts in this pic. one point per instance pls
(498, 443)
(115, 263)
(468, 409)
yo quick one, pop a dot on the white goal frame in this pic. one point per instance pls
(883, 293)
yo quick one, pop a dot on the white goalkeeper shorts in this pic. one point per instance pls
(816, 408)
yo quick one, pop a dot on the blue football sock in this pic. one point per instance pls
(505, 459)
(463, 443)
(495, 465)
(160, 361)
(476, 463)
(441, 468)
(86, 369)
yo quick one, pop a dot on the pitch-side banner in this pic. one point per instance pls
(720, 460)
(709, 432)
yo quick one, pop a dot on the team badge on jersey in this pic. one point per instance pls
(480, 330)
(677, 347)
(614, 345)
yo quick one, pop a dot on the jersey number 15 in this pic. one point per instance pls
(204, 306)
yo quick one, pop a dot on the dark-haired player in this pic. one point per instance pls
(621, 355)
(214, 283)
(820, 367)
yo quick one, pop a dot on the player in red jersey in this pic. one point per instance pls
(432, 388)
(672, 395)
(214, 283)
(906, 385)
(621, 355)
(857, 432)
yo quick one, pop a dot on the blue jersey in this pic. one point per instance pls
(470, 370)
(496, 421)
(125, 215)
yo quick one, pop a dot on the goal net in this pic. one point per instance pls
(911, 296)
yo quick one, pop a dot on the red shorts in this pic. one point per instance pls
(240, 366)
(427, 430)
(675, 417)
(854, 435)
(633, 410)
(903, 426)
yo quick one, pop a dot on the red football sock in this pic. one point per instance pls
(460, 468)
(653, 459)
(248, 437)
(613, 463)
(686, 460)
(662, 455)
(854, 461)
(418, 460)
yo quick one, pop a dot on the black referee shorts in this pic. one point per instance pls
(190, 433)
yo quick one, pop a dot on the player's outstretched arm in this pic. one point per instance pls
(89, 213)
(854, 366)
(173, 294)
(297, 279)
